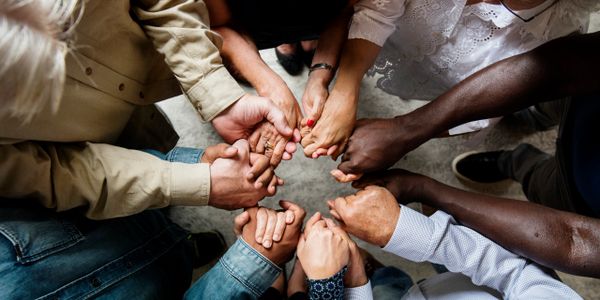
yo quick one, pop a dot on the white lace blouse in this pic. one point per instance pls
(431, 45)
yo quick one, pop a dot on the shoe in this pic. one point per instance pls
(291, 63)
(478, 167)
(206, 246)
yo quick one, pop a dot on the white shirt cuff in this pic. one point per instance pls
(363, 292)
(412, 237)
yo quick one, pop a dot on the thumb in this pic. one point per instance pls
(239, 222)
(243, 150)
(317, 109)
(275, 116)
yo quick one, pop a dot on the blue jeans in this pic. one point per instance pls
(242, 273)
(49, 255)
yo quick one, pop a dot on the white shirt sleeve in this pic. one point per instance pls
(439, 239)
(375, 20)
(363, 292)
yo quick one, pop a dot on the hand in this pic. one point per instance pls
(406, 186)
(370, 215)
(321, 251)
(377, 144)
(330, 135)
(282, 251)
(356, 275)
(313, 100)
(270, 225)
(266, 140)
(222, 150)
(241, 181)
(240, 119)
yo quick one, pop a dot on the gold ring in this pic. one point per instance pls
(268, 146)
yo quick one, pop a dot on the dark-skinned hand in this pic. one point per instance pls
(406, 186)
(376, 144)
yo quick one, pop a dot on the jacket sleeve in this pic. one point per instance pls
(179, 30)
(109, 181)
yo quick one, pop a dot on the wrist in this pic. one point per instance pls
(320, 76)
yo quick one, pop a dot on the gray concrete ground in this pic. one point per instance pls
(308, 181)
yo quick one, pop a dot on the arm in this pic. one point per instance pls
(242, 273)
(179, 30)
(533, 228)
(439, 239)
(111, 181)
(563, 67)
(371, 25)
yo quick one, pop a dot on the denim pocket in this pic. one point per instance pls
(36, 233)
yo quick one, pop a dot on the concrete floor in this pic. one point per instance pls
(308, 181)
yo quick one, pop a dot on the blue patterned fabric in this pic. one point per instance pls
(331, 288)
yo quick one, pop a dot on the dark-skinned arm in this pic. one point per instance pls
(563, 67)
(557, 239)
(560, 240)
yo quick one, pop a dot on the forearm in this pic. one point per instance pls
(560, 68)
(330, 45)
(108, 181)
(438, 239)
(525, 228)
(243, 60)
(357, 57)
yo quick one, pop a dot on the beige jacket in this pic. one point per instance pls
(126, 54)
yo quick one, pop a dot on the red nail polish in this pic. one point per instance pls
(310, 122)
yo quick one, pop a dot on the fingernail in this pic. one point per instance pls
(276, 237)
(310, 122)
(289, 219)
(267, 244)
(259, 239)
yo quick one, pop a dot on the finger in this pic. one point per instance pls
(332, 149)
(319, 152)
(280, 181)
(254, 140)
(335, 214)
(340, 205)
(286, 156)
(279, 227)
(261, 224)
(291, 147)
(289, 217)
(264, 179)
(298, 211)
(337, 229)
(296, 136)
(272, 188)
(365, 181)
(276, 117)
(348, 167)
(243, 149)
(312, 221)
(310, 149)
(259, 164)
(239, 222)
(278, 152)
(267, 240)
(307, 140)
(317, 109)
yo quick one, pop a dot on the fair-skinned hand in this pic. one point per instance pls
(313, 100)
(331, 133)
(371, 214)
(241, 118)
(282, 147)
(282, 251)
(321, 250)
(242, 180)
(356, 275)
(270, 225)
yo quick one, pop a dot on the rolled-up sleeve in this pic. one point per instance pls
(179, 30)
(375, 21)
(108, 181)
